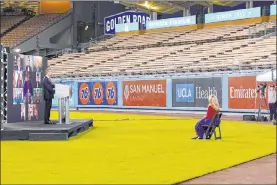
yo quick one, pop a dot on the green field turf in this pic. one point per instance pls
(135, 149)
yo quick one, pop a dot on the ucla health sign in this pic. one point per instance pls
(233, 15)
(194, 92)
(126, 27)
(172, 22)
(97, 93)
(184, 92)
(123, 18)
(273, 9)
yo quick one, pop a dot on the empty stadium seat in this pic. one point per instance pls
(224, 32)
(8, 22)
(30, 28)
(208, 49)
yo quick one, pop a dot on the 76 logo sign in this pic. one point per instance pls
(110, 93)
(85, 93)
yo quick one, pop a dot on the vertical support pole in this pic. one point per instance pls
(67, 110)
(250, 4)
(1, 88)
(3, 85)
(247, 5)
(60, 110)
(63, 103)
(38, 13)
(154, 15)
(211, 9)
(186, 11)
(259, 111)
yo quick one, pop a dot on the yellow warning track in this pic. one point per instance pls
(140, 150)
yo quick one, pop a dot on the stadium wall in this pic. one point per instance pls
(135, 93)
(200, 26)
(83, 11)
(63, 28)
(237, 17)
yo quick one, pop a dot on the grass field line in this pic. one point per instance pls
(134, 149)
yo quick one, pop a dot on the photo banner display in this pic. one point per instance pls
(97, 93)
(194, 92)
(25, 93)
(144, 93)
(242, 93)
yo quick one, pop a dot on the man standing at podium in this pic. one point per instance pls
(48, 92)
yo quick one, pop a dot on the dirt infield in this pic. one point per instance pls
(259, 171)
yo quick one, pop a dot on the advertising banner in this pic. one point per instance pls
(273, 9)
(233, 15)
(127, 27)
(194, 92)
(172, 22)
(144, 93)
(122, 18)
(242, 92)
(97, 93)
(71, 99)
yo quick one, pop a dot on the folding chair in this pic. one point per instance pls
(211, 128)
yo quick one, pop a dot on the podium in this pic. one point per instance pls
(63, 93)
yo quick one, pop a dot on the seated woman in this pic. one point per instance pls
(213, 109)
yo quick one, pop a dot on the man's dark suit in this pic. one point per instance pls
(48, 93)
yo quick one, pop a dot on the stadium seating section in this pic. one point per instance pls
(208, 49)
(26, 29)
(7, 22)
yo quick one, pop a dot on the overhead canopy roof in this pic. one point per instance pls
(267, 77)
(168, 7)
(227, 3)
(173, 6)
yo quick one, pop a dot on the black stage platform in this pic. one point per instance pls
(41, 132)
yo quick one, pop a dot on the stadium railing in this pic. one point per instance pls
(81, 46)
(91, 43)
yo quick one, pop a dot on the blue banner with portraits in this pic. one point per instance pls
(97, 93)
(123, 18)
(233, 15)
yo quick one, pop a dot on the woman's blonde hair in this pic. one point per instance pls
(213, 102)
